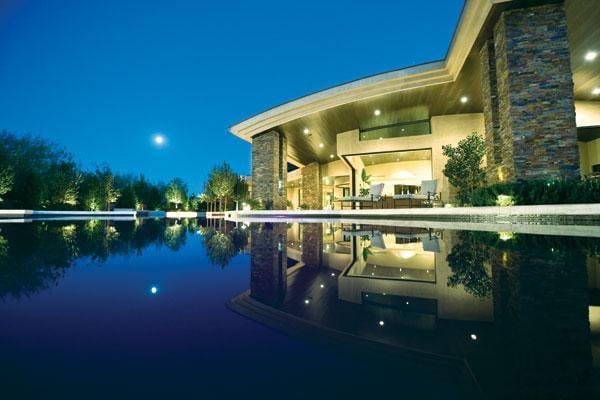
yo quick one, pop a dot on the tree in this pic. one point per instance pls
(6, 180)
(464, 166)
(467, 262)
(176, 192)
(128, 198)
(240, 191)
(221, 183)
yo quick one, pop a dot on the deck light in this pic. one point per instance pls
(473, 336)
(464, 99)
(306, 131)
(377, 112)
(407, 303)
(591, 55)
(596, 91)
(306, 301)
(321, 145)
(381, 323)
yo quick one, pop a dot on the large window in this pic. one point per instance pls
(414, 128)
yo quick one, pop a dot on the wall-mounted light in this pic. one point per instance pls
(591, 55)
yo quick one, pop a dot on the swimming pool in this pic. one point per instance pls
(197, 308)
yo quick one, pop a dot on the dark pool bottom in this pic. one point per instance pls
(98, 309)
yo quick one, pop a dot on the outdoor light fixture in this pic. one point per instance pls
(464, 99)
(306, 131)
(322, 286)
(377, 112)
(473, 336)
(596, 91)
(591, 55)
(306, 301)
(332, 274)
(381, 323)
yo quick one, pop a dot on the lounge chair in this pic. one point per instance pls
(425, 196)
(374, 196)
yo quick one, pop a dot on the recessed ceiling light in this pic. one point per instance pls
(596, 91)
(464, 99)
(306, 131)
(321, 145)
(591, 55)
(331, 156)
(377, 112)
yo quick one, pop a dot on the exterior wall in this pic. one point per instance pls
(312, 186)
(587, 113)
(535, 94)
(269, 170)
(446, 129)
(589, 153)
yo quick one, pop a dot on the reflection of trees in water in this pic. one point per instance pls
(222, 246)
(467, 261)
(35, 256)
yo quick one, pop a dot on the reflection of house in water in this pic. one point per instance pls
(515, 309)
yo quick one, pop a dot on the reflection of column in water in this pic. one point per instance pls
(542, 318)
(268, 265)
(312, 244)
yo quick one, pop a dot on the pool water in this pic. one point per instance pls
(196, 308)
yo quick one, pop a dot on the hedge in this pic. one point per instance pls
(540, 192)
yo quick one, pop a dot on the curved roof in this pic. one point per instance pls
(473, 18)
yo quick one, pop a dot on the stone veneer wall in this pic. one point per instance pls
(312, 244)
(312, 186)
(535, 94)
(489, 90)
(269, 170)
(268, 262)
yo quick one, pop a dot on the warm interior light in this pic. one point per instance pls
(377, 112)
(591, 55)
(464, 99)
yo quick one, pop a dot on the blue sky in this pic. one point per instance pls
(101, 77)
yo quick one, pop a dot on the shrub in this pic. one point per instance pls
(540, 192)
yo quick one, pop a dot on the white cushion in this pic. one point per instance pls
(377, 189)
(429, 186)
(410, 196)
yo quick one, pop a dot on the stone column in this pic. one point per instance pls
(312, 186)
(268, 262)
(536, 109)
(312, 245)
(269, 170)
(489, 88)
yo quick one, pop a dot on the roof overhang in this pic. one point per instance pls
(473, 18)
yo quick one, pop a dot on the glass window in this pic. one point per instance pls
(414, 128)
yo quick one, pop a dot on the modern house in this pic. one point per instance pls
(523, 74)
